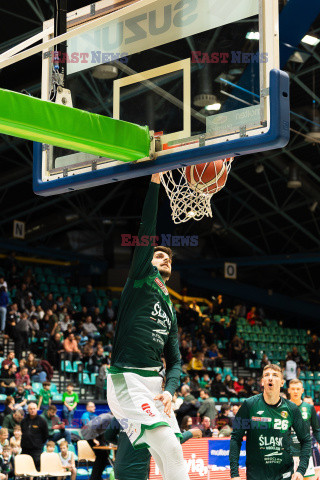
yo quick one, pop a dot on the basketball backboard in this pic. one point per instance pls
(202, 73)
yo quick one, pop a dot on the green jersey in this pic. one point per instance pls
(146, 323)
(310, 418)
(268, 431)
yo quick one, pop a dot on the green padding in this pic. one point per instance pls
(45, 122)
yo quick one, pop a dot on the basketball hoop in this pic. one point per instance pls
(190, 189)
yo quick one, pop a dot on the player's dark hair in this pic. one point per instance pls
(166, 250)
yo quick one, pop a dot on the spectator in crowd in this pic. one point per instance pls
(313, 349)
(89, 299)
(55, 348)
(195, 385)
(250, 387)
(45, 396)
(50, 446)
(70, 346)
(15, 440)
(296, 357)
(88, 350)
(34, 434)
(186, 423)
(239, 387)
(67, 459)
(219, 305)
(89, 328)
(205, 427)
(4, 301)
(3, 283)
(252, 316)
(196, 363)
(23, 379)
(95, 361)
(56, 428)
(223, 421)
(4, 436)
(13, 419)
(7, 463)
(233, 412)
(215, 356)
(70, 401)
(205, 381)
(228, 383)
(264, 361)
(237, 349)
(8, 384)
(218, 389)
(207, 407)
(9, 405)
(20, 397)
(12, 319)
(23, 328)
(110, 312)
(101, 378)
(89, 414)
(189, 405)
(186, 351)
(291, 369)
(8, 361)
(35, 370)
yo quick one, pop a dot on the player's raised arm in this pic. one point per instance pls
(240, 424)
(304, 438)
(141, 263)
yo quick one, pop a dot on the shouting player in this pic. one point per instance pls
(266, 420)
(310, 417)
(146, 328)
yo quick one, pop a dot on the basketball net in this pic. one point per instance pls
(192, 199)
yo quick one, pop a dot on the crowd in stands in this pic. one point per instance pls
(46, 326)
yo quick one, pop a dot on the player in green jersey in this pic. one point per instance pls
(146, 328)
(310, 417)
(266, 420)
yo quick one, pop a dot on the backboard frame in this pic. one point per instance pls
(273, 133)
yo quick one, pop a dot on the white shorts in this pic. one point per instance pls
(310, 470)
(131, 400)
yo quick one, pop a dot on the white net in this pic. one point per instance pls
(190, 189)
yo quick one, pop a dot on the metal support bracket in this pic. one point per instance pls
(65, 172)
(92, 9)
(243, 131)
(265, 92)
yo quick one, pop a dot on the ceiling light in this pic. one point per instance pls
(310, 40)
(259, 168)
(294, 180)
(105, 72)
(253, 36)
(215, 107)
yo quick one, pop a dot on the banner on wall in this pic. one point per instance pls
(206, 459)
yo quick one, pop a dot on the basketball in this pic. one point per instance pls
(208, 178)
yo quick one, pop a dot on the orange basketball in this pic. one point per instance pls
(208, 177)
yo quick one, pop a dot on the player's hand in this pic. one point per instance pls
(155, 178)
(165, 398)
(196, 432)
(297, 476)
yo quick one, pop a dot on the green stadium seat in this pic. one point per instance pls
(316, 375)
(242, 400)
(217, 370)
(302, 376)
(233, 400)
(309, 375)
(215, 399)
(36, 387)
(74, 290)
(57, 397)
(223, 400)
(61, 281)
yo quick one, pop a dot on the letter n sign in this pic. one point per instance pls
(230, 270)
(19, 229)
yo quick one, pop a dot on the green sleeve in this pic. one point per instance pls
(112, 431)
(75, 398)
(304, 437)
(238, 432)
(141, 265)
(315, 424)
(172, 357)
(185, 437)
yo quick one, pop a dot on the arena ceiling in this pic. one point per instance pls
(256, 215)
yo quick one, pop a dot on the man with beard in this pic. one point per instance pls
(267, 420)
(146, 328)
